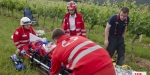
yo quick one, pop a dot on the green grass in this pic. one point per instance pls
(146, 40)
(9, 24)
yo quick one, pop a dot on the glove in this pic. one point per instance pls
(23, 51)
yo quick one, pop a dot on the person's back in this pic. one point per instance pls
(28, 13)
(82, 56)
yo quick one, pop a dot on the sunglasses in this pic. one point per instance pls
(27, 22)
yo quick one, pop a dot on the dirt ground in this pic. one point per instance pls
(142, 63)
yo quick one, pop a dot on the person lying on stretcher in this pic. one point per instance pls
(42, 48)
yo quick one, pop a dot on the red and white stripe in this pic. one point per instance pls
(21, 43)
(72, 62)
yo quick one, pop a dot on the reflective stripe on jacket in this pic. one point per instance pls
(21, 36)
(79, 23)
(80, 55)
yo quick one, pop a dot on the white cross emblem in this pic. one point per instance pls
(16, 32)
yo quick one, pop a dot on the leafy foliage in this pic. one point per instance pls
(93, 14)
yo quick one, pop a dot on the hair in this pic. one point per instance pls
(125, 10)
(57, 33)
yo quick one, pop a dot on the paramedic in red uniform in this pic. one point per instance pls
(80, 55)
(73, 23)
(21, 34)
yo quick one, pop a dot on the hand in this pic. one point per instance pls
(106, 42)
(51, 46)
(123, 36)
(23, 51)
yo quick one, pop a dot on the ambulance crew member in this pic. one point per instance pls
(21, 34)
(80, 55)
(73, 23)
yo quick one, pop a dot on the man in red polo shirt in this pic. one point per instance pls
(80, 55)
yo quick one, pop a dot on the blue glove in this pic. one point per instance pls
(23, 51)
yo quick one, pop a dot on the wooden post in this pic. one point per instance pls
(140, 38)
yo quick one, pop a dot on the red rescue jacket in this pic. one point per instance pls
(79, 23)
(21, 36)
(79, 54)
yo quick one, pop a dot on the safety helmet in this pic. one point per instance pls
(71, 5)
(25, 21)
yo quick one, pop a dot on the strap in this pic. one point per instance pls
(126, 22)
(117, 18)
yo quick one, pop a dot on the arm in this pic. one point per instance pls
(16, 40)
(65, 28)
(124, 34)
(83, 30)
(33, 31)
(56, 66)
(107, 34)
(111, 22)
(64, 24)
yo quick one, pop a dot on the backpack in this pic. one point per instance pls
(17, 62)
(117, 18)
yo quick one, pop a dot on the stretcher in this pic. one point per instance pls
(43, 63)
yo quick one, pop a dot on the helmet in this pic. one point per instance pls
(71, 5)
(25, 21)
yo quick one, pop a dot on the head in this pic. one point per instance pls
(72, 7)
(25, 22)
(56, 34)
(124, 13)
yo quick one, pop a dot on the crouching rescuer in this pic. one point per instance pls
(21, 35)
(80, 55)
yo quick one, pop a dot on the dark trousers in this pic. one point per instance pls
(117, 43)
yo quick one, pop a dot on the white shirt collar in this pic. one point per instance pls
(73, 16)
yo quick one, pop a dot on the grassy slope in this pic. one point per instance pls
(9, 24)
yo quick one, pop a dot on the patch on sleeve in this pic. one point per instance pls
(16, 32)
